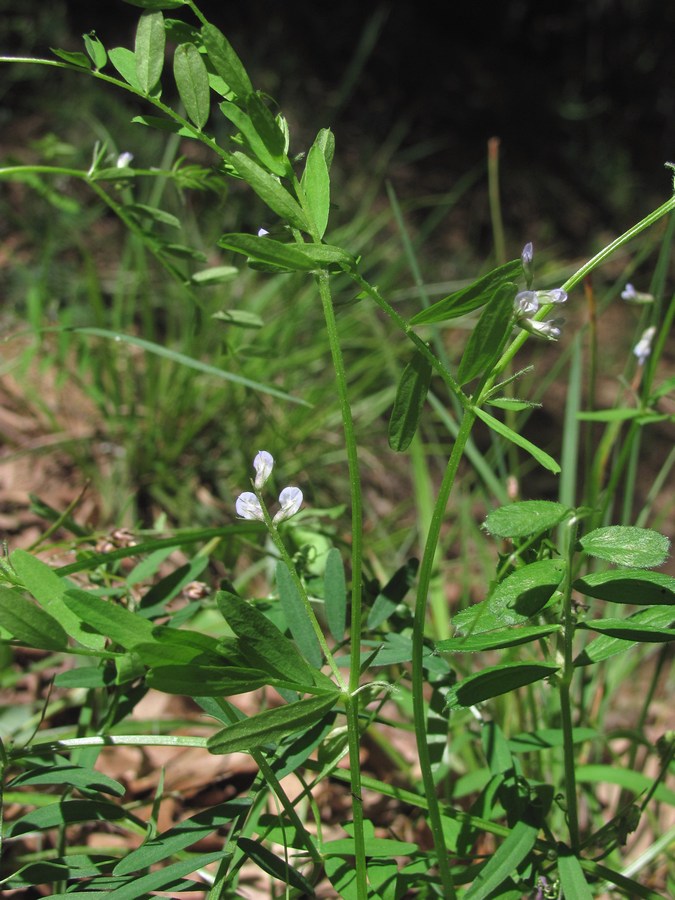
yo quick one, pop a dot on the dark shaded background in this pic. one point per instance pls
(581, 93)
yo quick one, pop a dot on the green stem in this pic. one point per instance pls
(323, 280)
(419, 714)
(564, 690)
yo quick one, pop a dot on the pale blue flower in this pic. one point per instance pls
(644, 346)
(291, 501)
(263, 465)
(547, 330)
(248, 507)
(632, 296)
(525, 303)
(557, 295)
(124, 160)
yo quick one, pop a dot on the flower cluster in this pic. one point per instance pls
(248, 504)
(527, 303)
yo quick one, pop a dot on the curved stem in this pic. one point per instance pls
(564, 691)
(419, 711)
(323, 280)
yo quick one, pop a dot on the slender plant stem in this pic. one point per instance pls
(419, 714)
(564, 690)
(352, 701)
(495, 202)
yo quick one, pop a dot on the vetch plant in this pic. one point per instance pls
(505, 704)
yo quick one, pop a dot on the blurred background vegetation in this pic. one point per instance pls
(580, 95)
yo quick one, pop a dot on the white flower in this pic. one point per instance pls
(644, 346)
(526, 303)
(291, 501)
(527, 254)
(548, 330)
(263, 465)
(248, 507)
(557, 295)
(262, 232)
(632, 296)
(124, 160)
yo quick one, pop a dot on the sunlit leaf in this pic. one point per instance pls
(270, 726)
(225, 61)
(525, 518)
(29, 623)
(625, 545)
(149, 49)
(521, 595)
(503, 862)
(316, 184)
(192, 82)
(511, 637)
(270, 191)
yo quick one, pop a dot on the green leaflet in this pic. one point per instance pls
(288, 257)
(192, 81)
(95, 50)
(496, 680)
(504, 862)
(508, 637)
(489, 336)
(297, 618)
(262, 643)
(605, 646)
(627, 546)
(149, 50)
(409, 401)
(633, 586)
(270, 726)
(109, 619)
(182, 836)
(525, 518)
(225, 61)
(514, 600)
(572, 879)
(537, 453)
(262, 134)
(475, 295)
(335, 594)
(270, 191)
(29, 623)
(315, 183)
(49, 589)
